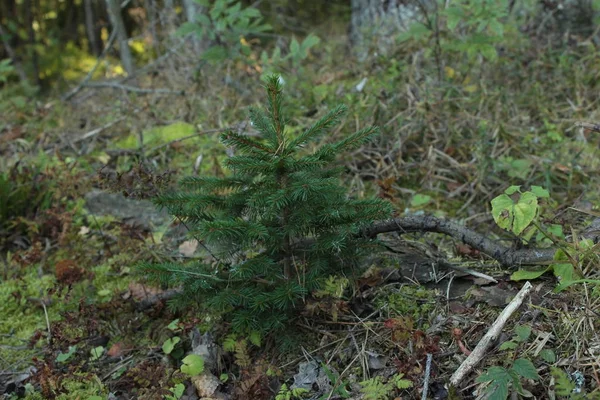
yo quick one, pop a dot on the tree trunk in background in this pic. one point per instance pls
(375, 24)
(192, 9)
(116, 20)
(90, 27)
(32, 42)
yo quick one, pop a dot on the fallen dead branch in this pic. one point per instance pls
(477, 354)
(423, 223)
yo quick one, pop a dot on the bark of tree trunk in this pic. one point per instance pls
(116, 19)
(192, 9)
(90, 27)
(32, 42)
(375, 23)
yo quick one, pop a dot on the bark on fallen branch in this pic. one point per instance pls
(422, 223)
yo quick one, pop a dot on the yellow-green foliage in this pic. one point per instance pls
(159, 135)
(21, 316)
(82, 386)
(416, 302)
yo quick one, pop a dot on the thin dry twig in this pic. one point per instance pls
(492, 334)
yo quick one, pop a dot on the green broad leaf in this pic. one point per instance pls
(192, 365)
(540, 192)
(526, 275)
(525, 368)
(508, 345)
(490, 53)
(454, 15)
(513, 189)
(204, 3)
(498, 390)
(564, 285)
(523, 332)
(294, 47)
(104, 293)
(95, 398)
(519, 168)
(417, 31)
(420, 200)
(513, 216)
(174, 325)
(524, 212)
(498, 374)
(502, 207)
(548, 355)
(215, 54)
(178, 390)
(554, 230)
(169, 344)
(62, 357)
(187, 28)
(310, 41)
(496, 27)
(96, 352)
(565, 272)
(204, 21)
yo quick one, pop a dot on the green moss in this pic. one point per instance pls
(158, 135)
(416, 302)
(22, 315)
(82, 386)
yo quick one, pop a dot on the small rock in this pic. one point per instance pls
(206, 384)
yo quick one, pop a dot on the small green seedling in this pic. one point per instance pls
(192, 365)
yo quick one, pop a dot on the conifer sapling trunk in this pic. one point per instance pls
(278, 225)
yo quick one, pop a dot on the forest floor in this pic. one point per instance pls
(77, 322)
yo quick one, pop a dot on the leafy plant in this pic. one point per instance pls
(467, 27)
(169, 344)
(277, 227)
(63, 357)
(177, 391)
(6, 70)
(522, 336)
(375, 389)
(96, 353)
(519, 212)
(297, 53)
(338, 386)
(516, 215)
(193, 365)
(571, 387)
(290, 394)
(227, 26)
(502, 379)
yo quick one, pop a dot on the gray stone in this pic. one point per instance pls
(140, 212)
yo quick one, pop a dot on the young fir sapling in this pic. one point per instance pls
(278, 226)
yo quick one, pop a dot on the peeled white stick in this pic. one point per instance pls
(485, 342)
